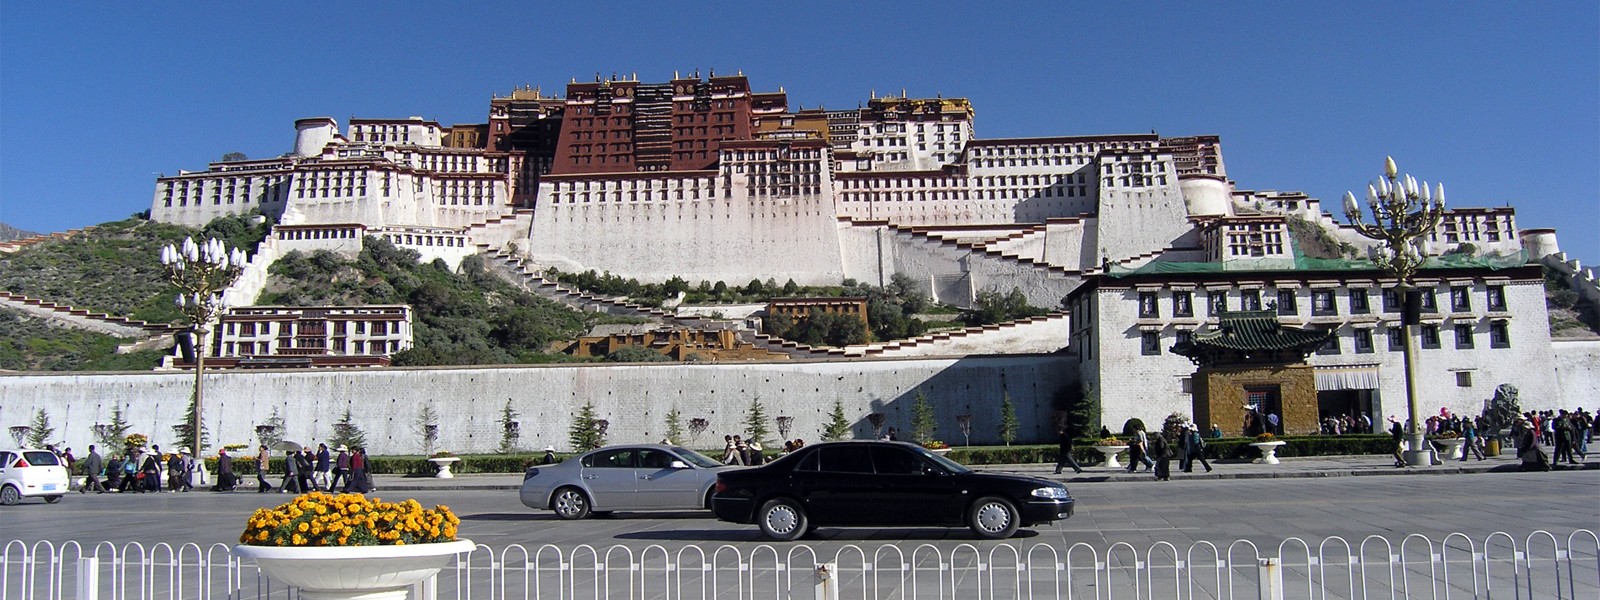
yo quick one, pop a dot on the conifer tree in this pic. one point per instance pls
(1008, 419)
(923, 420)
(755, 421)
(346, 433)
(674, 425)
(585, 433)
(112, 434)
(427, 427)
(184, 430)
(838, 427)
(40, 431)
(510, 430)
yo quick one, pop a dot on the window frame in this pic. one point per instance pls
(1150, 343)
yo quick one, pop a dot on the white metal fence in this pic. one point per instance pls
(1540, 565)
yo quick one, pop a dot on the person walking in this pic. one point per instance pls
(1562, 428)
(1138, 450)
(150, 468)
(1194, 448)
(305, 472)
(131, 479)
(291, 473)
(225, 478)
(1399, 435)
(341, 469)
(324, 464)
(730, 452)
(93, 468)
(1161, 454)
(1469, 432)
(263, 460)
(1064, 452)
(360, 481)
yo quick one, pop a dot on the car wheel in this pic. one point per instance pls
(52, 499)
(993, 518)
(709, 493)
(570, 503)
(9, 495)
(782, 519)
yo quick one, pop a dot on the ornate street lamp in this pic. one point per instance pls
(201, 273)
(1403, 211)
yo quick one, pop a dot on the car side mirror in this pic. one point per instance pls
(678, 464)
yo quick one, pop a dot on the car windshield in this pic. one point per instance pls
(40, 458)
(697, 459)
(952, 466)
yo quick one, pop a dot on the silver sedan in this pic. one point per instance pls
(637, 477)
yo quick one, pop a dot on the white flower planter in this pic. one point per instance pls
(444, 467)
(1269, 452)
(351, 572)
(1449, 448)
(1111, 453)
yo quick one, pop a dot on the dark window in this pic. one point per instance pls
(848, 458)
(1499, 335)
(1430, 337)
(1147, 306)
(1497, 297)
(1250, 300)
(1429, 302)
(1363, 341)
(896, 461)
(1150, 343)
(1463, 378)
(621, 458)
(1464, 336)
(1397, 339)
(1182, 304)
(1331, 346)
(1185, 336)
(1391, 301)
(1286, 303)
(1322, 303)
(1461, 298)
(1219, 302)
(1358, 302)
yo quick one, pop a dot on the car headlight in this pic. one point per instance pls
(1053, 493)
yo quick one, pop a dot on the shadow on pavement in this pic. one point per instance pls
(825, 534)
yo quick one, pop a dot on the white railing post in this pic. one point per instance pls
(89, 578)
(827, 588)
(1270, 575)
(427, 589)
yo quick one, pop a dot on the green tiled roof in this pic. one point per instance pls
(1306, 263)
(1258, 330)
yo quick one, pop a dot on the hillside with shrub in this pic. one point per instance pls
(29, 343)
(468, 318)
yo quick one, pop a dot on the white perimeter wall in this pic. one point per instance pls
(634, 398)
(1577, 364)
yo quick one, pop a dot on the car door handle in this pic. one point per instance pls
(591, 476)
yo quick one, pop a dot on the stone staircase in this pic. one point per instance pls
(143, 334)
(18, 244)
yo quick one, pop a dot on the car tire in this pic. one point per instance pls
(9, 495)
(52, 499)
(710, 492)
(993, 518)
(782, 519)
(570, 503)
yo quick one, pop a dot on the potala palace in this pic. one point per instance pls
(1139, 240)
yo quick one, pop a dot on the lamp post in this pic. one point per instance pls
(1403, 211)
(201, 273)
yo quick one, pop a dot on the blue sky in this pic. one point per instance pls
(1499, 100)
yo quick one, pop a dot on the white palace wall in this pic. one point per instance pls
(469, 400)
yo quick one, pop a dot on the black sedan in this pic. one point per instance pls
(882, 484)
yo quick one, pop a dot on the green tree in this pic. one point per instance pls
(1077, 408)
(184, 430)
(674, 425)
(112, 434)
(991, 306)
(923, 420)
(755, 421)
(427, 427)
(234, 157)
(777, 325)
(838, 427)
(346, 433)
(40, 432)
(274, 431)
(585, 434)
(1008, 419)
(510, 430)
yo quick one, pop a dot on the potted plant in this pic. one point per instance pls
(1449, 443)
(443, 459)
(1268, 445)
(937, 447)
(348, 546)
(1111, 447)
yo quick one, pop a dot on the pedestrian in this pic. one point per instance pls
(225, 477)
(1138, 450)
(305, 471)
(132, 479)
(93, 469)
(324, 464)
(741, 450)
(360, 481)
(341, 469)
(291, 473)
(730, 452)
(1562, 426)
(1399, 435)
(1161, 453)
(1064, 452)
(757, 454)
(1469, 431)
(68, 459)
(1533, 457)
(178, 471)
(549, 456)
(113, 471)
(893, 435)
(263, 459)
(1194, 449)
(150, 468)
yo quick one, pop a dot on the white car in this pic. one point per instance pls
(28, 472)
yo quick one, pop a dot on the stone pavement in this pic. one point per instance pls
(1290, 467)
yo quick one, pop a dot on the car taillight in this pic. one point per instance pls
(529, 474)
(21, 463)
(721, 487)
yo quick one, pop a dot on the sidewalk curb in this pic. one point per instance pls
(389, 483)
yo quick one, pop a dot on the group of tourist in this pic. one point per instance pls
(303, 470)
(137, 470)
(1568, 433)
(1346, 424)
(141, 470)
